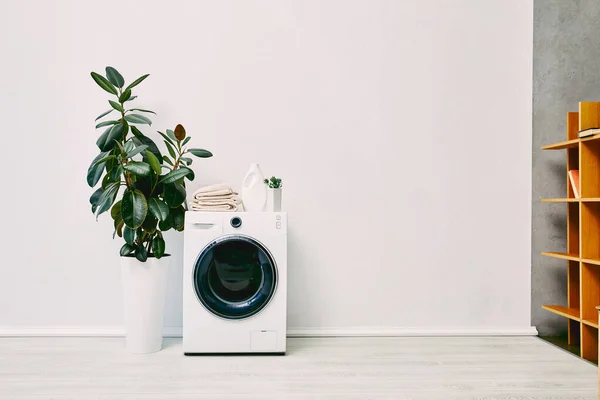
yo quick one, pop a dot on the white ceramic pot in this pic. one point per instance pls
(254, 190)
(144, 297)
(274, 199)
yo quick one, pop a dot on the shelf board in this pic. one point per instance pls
(563, 200)
(564, 256)
(590, 199)
(591, 323)
(562, 145)
(590, 261)
(571, 313)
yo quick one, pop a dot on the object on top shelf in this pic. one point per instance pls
(589, 118)
(254, 192)
(574, 178)
(219, 197)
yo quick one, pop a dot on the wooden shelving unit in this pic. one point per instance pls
(583, 234)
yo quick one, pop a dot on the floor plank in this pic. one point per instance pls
(511, 368)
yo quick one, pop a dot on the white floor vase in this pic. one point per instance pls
(144, 297)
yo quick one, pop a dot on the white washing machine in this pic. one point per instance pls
(235, 282)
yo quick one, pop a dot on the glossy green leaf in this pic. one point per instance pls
(178, 218)
(134, 208)
(142, 110)
(106, 123)
(179, 132)
(118, 228)
(171, 135)
(136, 132)
(96, 169)
(167, 160)
(154, 162)
(114, 77)
(94, 199)
(137, 81)
(200, 153)
(140, 139)
(126, 249)
(124, 96)
(104, 83)
(104, 114)
(138, 168)
(187, 139)
(128, 235)
(174, 195)
(158, 208)
(174, 176)
(191, 175)
(129, 145)
(166, 137)
(106, 141)
(115, 173)
(158, 247)
(141, 254)
(116, 105)
(165, 225)
(115, 211)
(137, 150)
(188, 161)
(107, 198)
(171, 150)
(149, 224)
(137, 119)
(132, 98)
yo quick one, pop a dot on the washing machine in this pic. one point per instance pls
(234, 282)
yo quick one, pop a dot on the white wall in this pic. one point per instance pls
(402, 130)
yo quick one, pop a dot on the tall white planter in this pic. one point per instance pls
(254, 190)
(274, 199)
(144, 296)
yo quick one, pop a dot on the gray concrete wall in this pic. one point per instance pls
(566, 70)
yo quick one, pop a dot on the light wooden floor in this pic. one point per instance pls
(335, 368)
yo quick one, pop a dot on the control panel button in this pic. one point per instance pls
(278, 225)
(278, 218)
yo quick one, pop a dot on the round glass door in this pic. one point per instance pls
(235, 277)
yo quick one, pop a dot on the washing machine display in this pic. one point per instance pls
(235, 277)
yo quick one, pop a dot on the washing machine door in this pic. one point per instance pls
(235, 277)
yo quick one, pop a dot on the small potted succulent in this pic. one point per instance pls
(274, 186)
(144, 191)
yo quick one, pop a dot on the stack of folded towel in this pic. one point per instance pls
(219, 197)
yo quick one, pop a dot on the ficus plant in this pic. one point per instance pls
(144, 190)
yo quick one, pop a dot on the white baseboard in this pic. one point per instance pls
(108, 331)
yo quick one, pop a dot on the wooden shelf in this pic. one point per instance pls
(562, 145)
(563, 200)
(590, 261)
(571, 313)
(591, 323)
(564, 256)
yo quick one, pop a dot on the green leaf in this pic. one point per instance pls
(137, 81)
(154, 162)
(128, 235)
(118, 228)
(191, 176)
(134, 208)
(129, 145)
(140, 139)
(116, 105)
(167, 160)
(124, 96)
(106, 123)
(132, 98)
(136, 151)
(137, 119)
(115, 173)
(150, 223)
(187, 139)
(96, 169)
(174, 176)
(165, 225)
(186, 160)
(158, 247)
(106, 141)
(141, 254)
(200, 153)
(179, 132)
(104, 83)
(166, 137)
(94, 199)
(107, 198)
(115, 77)
(171, 135)
(138, 168)
(127, 248)
(171, 150)
(174, 195)
(115, 211)
(104, 114)
(158, 208)
(142, 110)
(178, 218)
